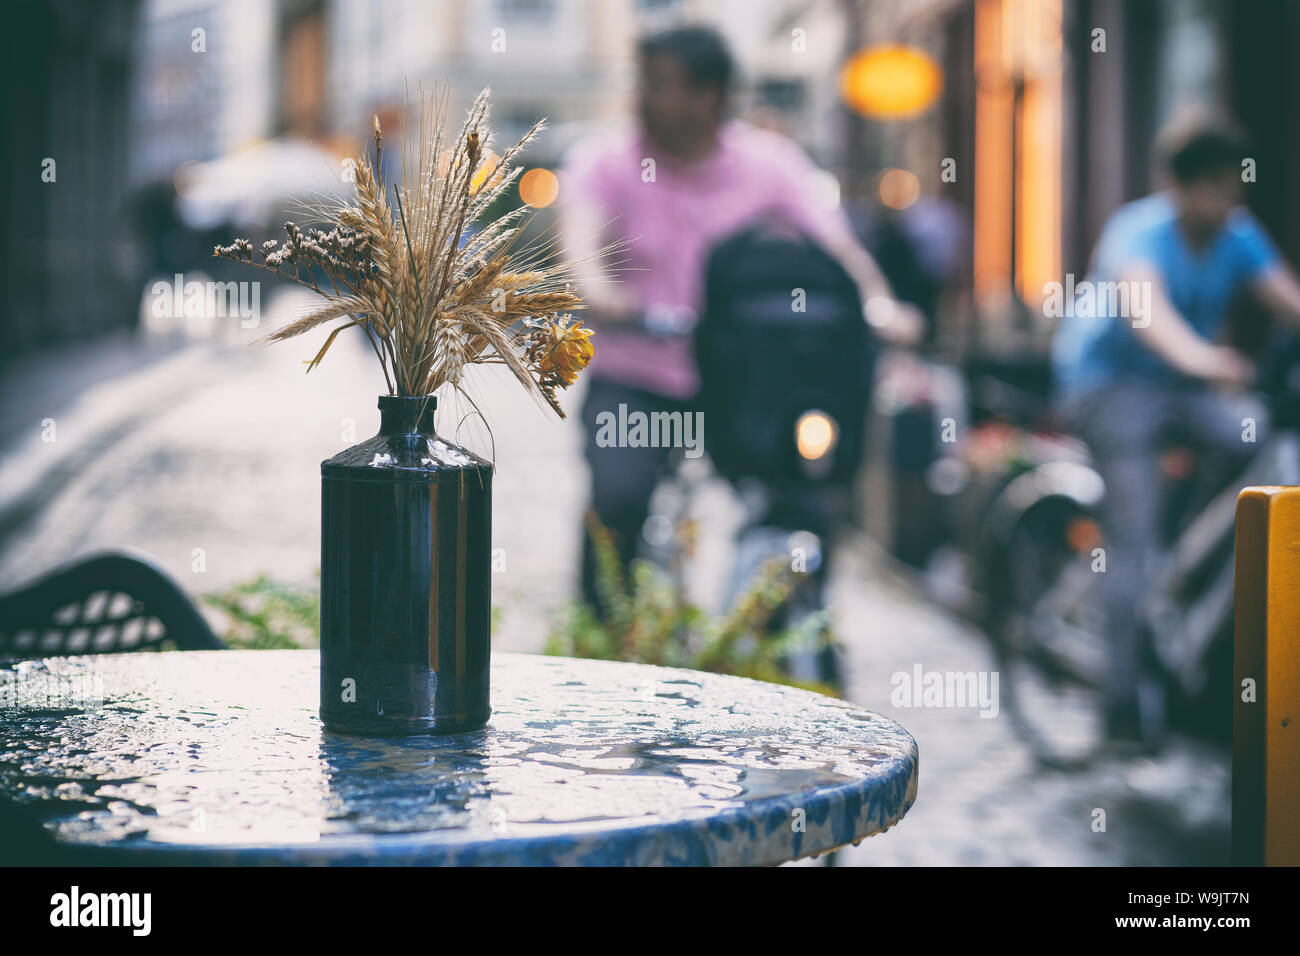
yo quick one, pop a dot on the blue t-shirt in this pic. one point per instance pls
(1094, 347)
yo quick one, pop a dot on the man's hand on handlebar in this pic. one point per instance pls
(896, 322)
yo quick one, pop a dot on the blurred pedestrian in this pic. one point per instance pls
(681, 178)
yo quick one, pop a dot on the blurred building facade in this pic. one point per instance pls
(65, 253)
(1046, 116)
(1067, 100)
(318, 68)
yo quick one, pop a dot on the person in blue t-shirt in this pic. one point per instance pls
(1138, 353)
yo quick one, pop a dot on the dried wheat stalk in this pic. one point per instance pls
(433, 280)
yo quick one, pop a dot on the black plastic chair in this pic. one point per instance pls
(103, 604)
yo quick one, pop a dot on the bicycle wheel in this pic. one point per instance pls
(1050, 645)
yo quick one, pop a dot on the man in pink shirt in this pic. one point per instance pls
(667, 189)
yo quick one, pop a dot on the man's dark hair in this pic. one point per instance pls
(1195, 148)
(700, 50)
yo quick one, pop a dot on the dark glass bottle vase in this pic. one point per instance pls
(406, 580)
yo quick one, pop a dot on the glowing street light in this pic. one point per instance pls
(891, 82)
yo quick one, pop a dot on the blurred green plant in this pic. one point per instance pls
(263, 614)
(649, 619)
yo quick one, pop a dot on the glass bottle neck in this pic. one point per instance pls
(404, 415)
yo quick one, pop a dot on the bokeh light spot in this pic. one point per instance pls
(898, 188)
(539, 187)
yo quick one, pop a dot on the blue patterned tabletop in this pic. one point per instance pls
(219, 757)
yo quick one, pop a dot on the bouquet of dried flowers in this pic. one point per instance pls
(432, 278)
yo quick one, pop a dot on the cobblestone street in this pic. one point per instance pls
(205, 449)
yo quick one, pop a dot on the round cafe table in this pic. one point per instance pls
(206, 757)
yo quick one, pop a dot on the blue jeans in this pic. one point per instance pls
(1124, 425)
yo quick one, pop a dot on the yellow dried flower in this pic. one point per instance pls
(568, 353)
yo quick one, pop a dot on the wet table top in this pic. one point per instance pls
(220, 757)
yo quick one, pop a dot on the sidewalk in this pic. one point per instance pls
(50, 431)
(982, 799)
